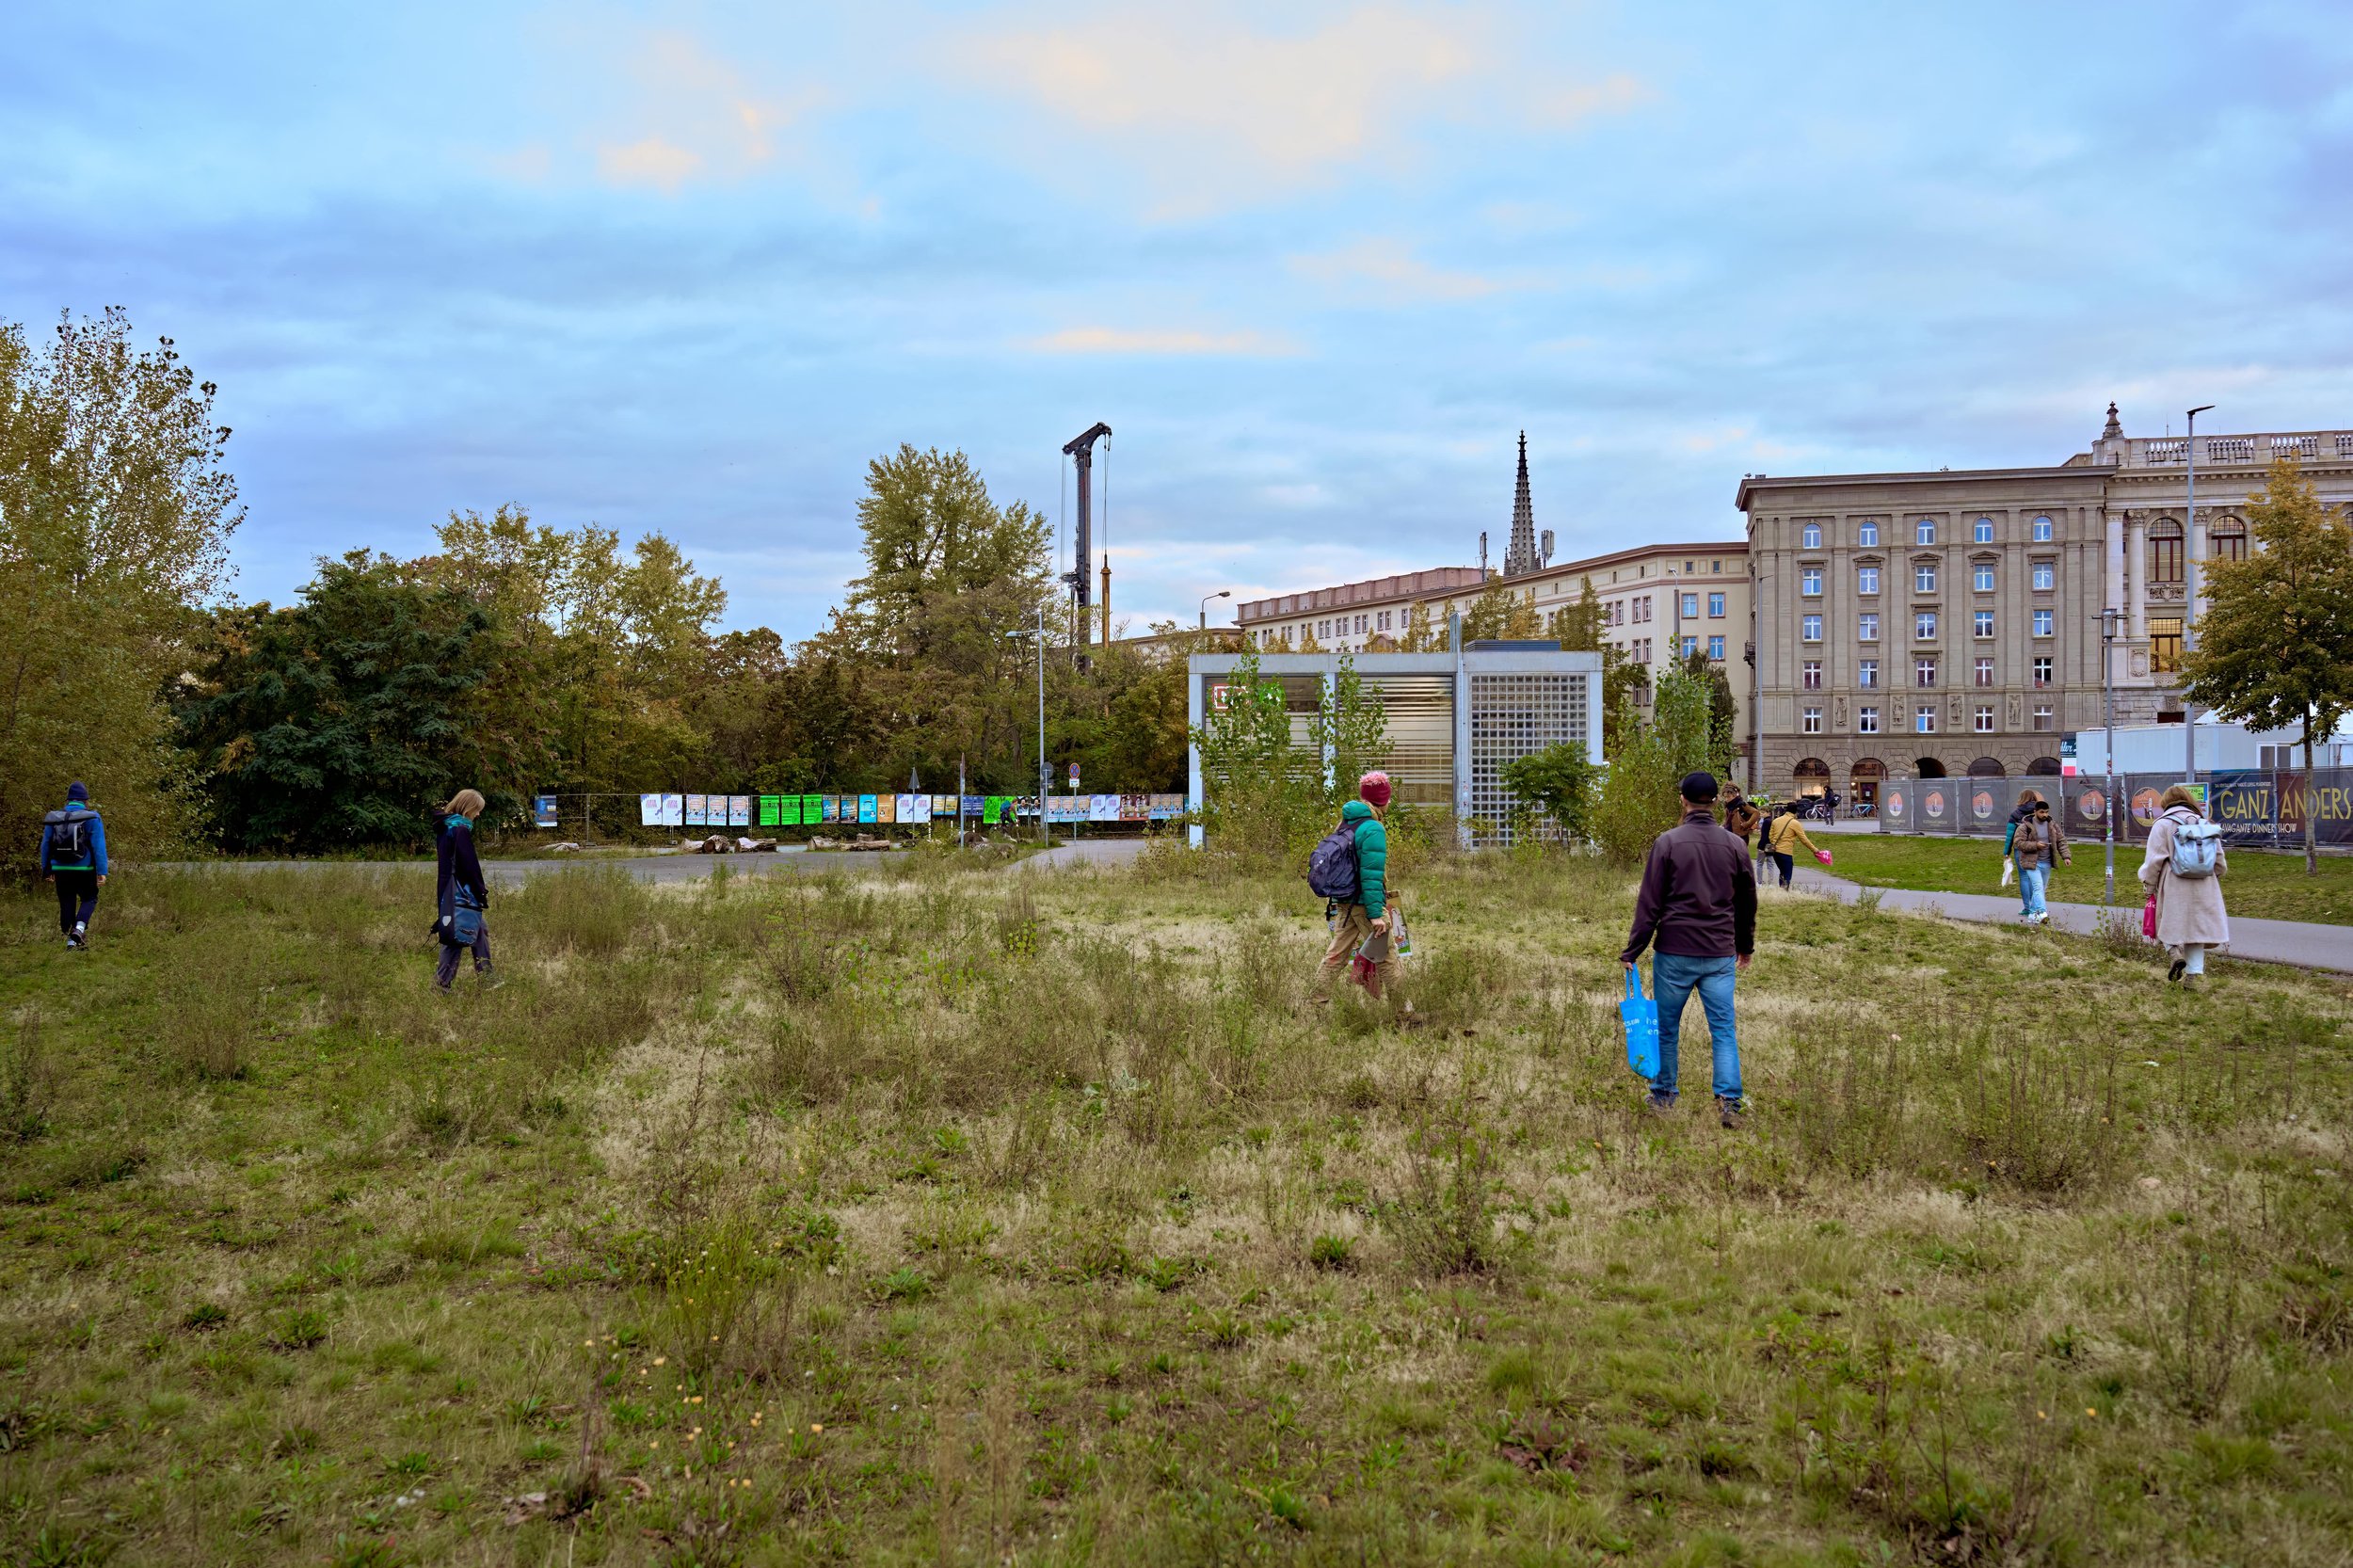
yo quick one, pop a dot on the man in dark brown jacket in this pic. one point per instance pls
(1697, 908)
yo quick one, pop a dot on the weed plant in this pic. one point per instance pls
(947, 1214)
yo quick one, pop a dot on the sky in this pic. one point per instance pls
(689, 267)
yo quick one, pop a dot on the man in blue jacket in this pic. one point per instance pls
(74, 856)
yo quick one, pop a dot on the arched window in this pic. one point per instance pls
(1927, 767)
(1810, 537)
(2165, 552)
(1812, 775)
(2227, 540)
(2042, 530)
(2044, 767)
(1987, 767)
(1867, 537)
(1985, 530)
(1924, 532)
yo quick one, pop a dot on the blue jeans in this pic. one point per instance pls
(2030, 886)
(1674, 978)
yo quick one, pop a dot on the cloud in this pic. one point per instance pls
(1387, 269)
(1215, 106)
(651, 162)
(1116, 339)
(702, 119)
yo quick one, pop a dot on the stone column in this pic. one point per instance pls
(2136, 576)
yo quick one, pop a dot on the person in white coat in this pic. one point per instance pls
(2191, 916)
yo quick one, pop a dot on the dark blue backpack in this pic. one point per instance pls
(1332, 867)
(70, 838)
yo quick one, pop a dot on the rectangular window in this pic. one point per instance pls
(1383, 621)
(1982, 624)
(1360, 626)
(1924, 721)
(1690, 606)
(1985, 672)
(2164, 558)
(1810, 582)
(1924, 579)
(1716, 604)
(2043, 620)
(1867, 580)
(2045, 576)
(2045, 718)
(1984, 719)
(1810, 675)
(1923, 626)
(1811, 721)
(2043, 672)
(1982, 577)
(1868, 629)
(1715, 647)
(1868, 673)
(1690, 646)
(1866, 721)
(1323, 629)
(1924, 672)
(1810, 628)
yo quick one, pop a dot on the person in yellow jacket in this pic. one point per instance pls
(1783, 833)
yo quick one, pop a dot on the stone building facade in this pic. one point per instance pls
(1916, 625)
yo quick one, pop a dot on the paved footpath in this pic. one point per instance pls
(2305, 944)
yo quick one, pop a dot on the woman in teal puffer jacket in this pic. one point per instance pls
(1361, 929)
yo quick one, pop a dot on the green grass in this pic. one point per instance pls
(2259, 884)
(934, 1215)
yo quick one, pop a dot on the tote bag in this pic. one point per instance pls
(1640, 1015)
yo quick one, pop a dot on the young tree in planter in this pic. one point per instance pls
(2275, 645)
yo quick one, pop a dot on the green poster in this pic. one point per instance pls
(771, 810)
(993, 811)
(812, 811)
(787, 811)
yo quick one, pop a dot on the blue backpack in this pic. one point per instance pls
(1331, 865)
(2197, 848)
(70, 836)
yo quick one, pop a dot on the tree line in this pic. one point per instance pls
(517, 657)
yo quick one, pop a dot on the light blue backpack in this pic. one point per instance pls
(2197, 848)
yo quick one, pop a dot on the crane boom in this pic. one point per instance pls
(1081, 449)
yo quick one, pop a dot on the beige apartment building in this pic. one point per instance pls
(1934, 624)
(1655, 599)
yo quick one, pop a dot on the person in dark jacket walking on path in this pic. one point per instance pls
(74, 856)
(459, 894)
(1697, 909)
(1361, 930)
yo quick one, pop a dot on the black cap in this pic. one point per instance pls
(1699, 786)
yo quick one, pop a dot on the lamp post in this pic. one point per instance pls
(2108, 619)
(1221, 593)
(2189, 588)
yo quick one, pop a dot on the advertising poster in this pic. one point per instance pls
(975, 805)
(771, 810)
(2244, 805)
(992, 809)
(698, 811)
(543, 811)
(923, 805)
(673, 810)
(865, 809)
(887, 809)
(812, 811)
(1135, 808)
(831, 809)
(943, 806)
(1103, 808)
(905, 809)
(649, 810)
(739, 811)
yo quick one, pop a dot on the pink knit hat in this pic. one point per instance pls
(1374, 787)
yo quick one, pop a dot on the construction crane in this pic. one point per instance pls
(1081, 449)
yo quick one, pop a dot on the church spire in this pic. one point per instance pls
(1521, 557)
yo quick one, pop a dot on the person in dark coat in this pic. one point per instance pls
(1698, 908)
(73, 857)
(459, 894)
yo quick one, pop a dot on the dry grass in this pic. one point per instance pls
(953, 1217)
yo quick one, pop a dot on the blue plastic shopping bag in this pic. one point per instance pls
(1641, 1027)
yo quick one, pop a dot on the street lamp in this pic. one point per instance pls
(2109, 629)
(2189, 588)
(1044, 834)
(1221, 593)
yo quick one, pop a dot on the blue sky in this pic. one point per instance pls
(689, 266)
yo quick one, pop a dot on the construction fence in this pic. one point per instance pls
(2258, 808)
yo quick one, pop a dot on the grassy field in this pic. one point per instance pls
(942, 1216)
(2259, 885)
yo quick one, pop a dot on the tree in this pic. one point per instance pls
(1501, 612)
(1257, 787)
(1579, 627)
(115, 517)
(1639, 797)
(341, 721)
(2275, 645)
(1421, 637)
(1559, 782)
(1349, 731)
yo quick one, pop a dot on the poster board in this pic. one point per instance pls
(812, 811)
(1103, 808)
(649, 810)
(866, 809)
(921, 808)
(739, 811)
(698, 811)
(543, 811)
